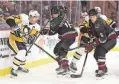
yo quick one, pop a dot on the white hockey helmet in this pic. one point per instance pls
(84, 14)
(34, 13)
(98, 9)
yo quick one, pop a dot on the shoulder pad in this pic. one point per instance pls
(24, 19)
(103, 17)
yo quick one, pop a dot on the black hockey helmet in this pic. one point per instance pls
(55, 9)
(92, 12)
(63, 8)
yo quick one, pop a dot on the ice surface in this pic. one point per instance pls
(46, 74)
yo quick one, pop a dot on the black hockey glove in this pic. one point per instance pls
(44, 31)
(30, 40)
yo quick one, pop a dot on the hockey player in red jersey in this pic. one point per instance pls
(100, 36)
(59, 25)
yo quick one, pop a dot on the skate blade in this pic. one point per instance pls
(23, 71)
(102, 77)
(63, 73)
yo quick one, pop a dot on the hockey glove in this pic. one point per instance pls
(30, 40)
(89, 47)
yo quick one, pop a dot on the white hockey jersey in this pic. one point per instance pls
(23, 27)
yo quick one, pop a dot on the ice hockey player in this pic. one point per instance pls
(109, 21)
(59, 25)
(98, 35)
(24, 29)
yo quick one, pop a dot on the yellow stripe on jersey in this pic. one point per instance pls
(109, 21)
(13, 44)
(17, 19)
(34, 32)
(15, 38)
(85, 24)
(79, 38)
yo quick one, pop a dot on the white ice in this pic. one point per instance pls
(46, 74)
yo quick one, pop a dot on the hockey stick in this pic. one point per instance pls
(36, 38)
(73, 48)
(80, 75)
(49, 53)
(45, 51)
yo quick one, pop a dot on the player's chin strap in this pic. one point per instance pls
(35, 39)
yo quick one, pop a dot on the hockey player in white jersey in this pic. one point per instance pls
(24, 29)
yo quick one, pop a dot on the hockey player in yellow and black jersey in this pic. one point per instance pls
(24, 29)
(95, 34)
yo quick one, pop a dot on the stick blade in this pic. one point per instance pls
(75, 75)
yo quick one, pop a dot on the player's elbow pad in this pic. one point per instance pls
(11, 22)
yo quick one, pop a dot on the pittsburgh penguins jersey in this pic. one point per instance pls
(21, 27)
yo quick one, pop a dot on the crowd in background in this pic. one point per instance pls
(74, 13)
(8, 8)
